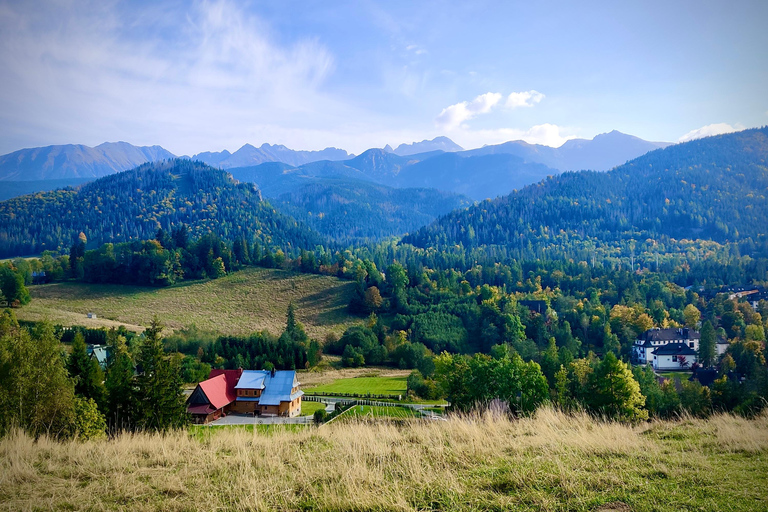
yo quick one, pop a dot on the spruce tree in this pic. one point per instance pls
(158, 400)
(119, 383)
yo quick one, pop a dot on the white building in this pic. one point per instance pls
(674, 356)
(655, 338)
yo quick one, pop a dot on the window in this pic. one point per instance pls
(691, 344)
(674, 359)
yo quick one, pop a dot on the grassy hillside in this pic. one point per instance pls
(546, 463)
(240, 303)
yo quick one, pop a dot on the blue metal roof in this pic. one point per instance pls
(253, 379)
(276, 388)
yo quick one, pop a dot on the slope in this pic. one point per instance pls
(709, 189)
(132, 205)
(238, 304)
(76, 161)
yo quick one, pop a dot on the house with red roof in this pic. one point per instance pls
(257, 392)
(213, 397)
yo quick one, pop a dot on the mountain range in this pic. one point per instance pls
(78, 161)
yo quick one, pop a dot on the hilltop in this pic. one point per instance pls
(132, 205)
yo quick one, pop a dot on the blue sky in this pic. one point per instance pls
(213, 75)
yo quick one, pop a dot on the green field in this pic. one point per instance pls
(308, 408)
(363, 385)
(241, 303)
(370, 411)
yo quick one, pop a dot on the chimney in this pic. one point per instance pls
(273, 372)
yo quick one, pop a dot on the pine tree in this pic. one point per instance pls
(86, 372)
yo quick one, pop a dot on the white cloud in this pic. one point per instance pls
(709, 130)
(523, 99)
(453, 116)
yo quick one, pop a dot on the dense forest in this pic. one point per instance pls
(711, 189)
(132, 205)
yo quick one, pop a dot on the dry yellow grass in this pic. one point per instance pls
(549, 462)
(240, 303)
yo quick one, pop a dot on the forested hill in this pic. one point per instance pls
(132, 205)
(710, 189)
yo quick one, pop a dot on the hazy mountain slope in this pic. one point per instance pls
(711, 189)
(436, 144)
(131, 206)
(9, 189)
(249, 155)
(353, 211)
(76, 161)
(478, 177)
(602, 153)
(275, 178)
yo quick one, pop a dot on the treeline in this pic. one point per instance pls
(291, 350)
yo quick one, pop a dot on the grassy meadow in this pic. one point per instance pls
(550, 462)
(240, 303)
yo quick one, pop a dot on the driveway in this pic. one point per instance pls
(247, 419)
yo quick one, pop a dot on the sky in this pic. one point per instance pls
(216, 74)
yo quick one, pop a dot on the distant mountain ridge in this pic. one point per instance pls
(439, 163)
(436, 144)
(77, 161)
(251, 155)
(602, 153)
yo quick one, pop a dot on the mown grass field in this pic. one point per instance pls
(551, 462)
(370, 411)
(363, 385)
(308, 408)
(241, 303)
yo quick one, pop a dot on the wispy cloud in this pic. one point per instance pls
(214, 78)
(453, 116)
(523, 99)
(709, 130)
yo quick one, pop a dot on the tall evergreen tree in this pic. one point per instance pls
(119, 383)
(158, 400)
(86, 372)
(707, 345)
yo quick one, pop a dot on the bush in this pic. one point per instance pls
(319, 416)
